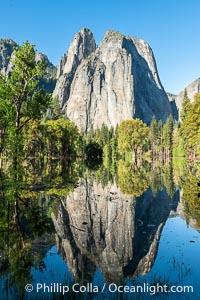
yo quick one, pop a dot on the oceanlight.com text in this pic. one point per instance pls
(111, 288)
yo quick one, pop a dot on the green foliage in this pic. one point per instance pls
(156, 137)
(153, 135)
(185, 106)
(191, 193)
(34, 142)
(20, 98)
(54, 111)
(22, 220)
(132, 180)
(168, 179)
(61, 137)
(106, 140)
(132, 136)
(93, 154)
(19, 89)
(156, 178)
(190, 127)
(178, 144)
(168, 132)
(102, 136)
(25, 223)
(53, 138)
(153, 131)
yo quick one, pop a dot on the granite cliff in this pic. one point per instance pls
(116, 81)
(191, 89)
(7, 47)
(81, 47)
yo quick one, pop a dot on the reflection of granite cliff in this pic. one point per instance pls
(100, 227)
(151, 214)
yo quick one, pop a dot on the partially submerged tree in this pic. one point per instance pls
(132, 136)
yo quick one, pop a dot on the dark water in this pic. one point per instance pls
(133, 234)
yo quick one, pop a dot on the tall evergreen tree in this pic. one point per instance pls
(153, 135)
(185, 106)
(190, 127)
(168, 135)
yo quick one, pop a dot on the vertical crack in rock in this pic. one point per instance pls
(81, 47)
(130, 87)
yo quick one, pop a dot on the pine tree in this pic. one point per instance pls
(185, 106)
(190, 127)
(153, 135)
(168, 136)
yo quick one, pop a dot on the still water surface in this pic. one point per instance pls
(177, 263)
(101, 238)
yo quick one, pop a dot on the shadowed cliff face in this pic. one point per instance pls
(102, 228)
(116, 81)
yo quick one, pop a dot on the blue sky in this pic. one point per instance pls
(171, 27)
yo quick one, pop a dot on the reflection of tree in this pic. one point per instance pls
(156, 179)
(168, 179)
(22, 220)
(93, 154)
(191, 193)
(54, 173)
(102, 175)
(161, 176)
(132, 179)
(25, 207)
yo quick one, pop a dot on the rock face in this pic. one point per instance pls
(99, 227)
(48, 82)
(176, 100)
(191, 89)
(172, 99)
(7, 47)
(81, 47)
(117, 81)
